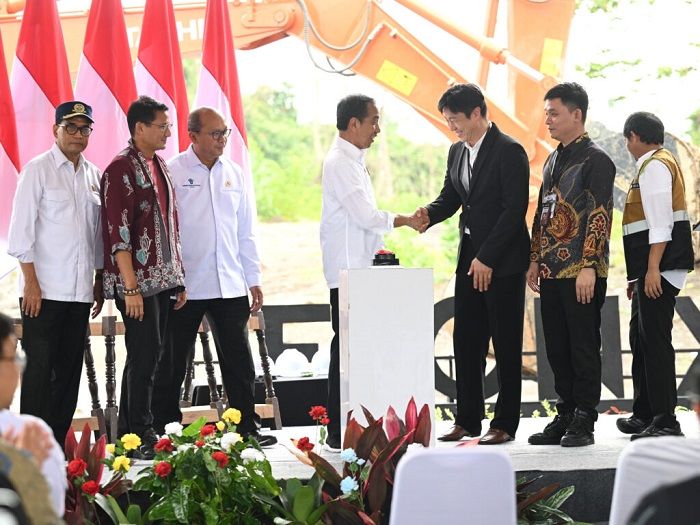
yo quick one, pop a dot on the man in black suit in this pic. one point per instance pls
(488, 176)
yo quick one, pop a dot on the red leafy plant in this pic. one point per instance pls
(361, 494)
(84, 472)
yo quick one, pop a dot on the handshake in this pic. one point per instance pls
(419, 221)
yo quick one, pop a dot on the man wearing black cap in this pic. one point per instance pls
(56, 237)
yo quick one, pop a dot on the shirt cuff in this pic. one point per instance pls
(657, 235)
(27, 257)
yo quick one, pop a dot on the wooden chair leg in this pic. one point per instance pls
(186, 400)
(270, 396)
(92, 386)
(109, 330)
(215, 400)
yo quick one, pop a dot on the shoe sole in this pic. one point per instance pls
(552, 441)
(572, 445)
(628, 430)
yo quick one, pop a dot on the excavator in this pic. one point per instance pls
(362, 37)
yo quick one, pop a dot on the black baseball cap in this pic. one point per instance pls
(71, 109)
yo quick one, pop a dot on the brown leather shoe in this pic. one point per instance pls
(457, 433)
(495, 436)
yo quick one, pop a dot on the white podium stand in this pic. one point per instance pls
(386, 341)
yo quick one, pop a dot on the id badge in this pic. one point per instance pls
(549, 205)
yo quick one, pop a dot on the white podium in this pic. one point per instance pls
(386, 341)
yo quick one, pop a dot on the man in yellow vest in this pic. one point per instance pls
(658, 255)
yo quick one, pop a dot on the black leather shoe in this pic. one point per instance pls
(148, 442)
(632, 425)
(654, 431)
(553, 432)
(264, 440)
(333, 443)
(580, 432)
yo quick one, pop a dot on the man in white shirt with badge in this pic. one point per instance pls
(55, 235)
(352, 227)
(221, 263)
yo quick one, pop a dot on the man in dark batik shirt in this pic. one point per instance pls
(569, 263)
(143, 267)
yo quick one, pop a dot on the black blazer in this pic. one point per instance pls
(494, 209)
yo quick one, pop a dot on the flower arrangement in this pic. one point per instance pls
(84, 471)
(362, 493)
(319, 414)
(203, 473)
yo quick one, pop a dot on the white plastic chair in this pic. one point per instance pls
(454, 486)
(648, 464)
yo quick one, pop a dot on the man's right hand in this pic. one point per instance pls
(31, 299)
(630, 289)
(134, 306)
(533, 277)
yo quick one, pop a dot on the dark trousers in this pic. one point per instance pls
(495, 315)
(228, 319)
(54, 342)
(653, 357)
(144, 342)
(572, 338)
(333, 404)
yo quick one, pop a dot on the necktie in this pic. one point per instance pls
(467, 171)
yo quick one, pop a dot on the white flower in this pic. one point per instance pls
(348, 485)
(240, 468)
(174, 428)
(229, 439)
(251, 454)
(360, 461)
(184, 447)
(348, 455)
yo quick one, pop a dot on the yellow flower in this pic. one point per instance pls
(110, 448)
(121, 463)
(131, 441)
(231, 415)
(220, 425)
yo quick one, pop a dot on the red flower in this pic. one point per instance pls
(164, 445)
(199, 443)
(325, 421)
(304, 444)
(163, 469)
(221, 458)
(76, 468)
(90, 487)
(207, 430)
(318, 412)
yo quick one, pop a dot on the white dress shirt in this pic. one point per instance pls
(219, 252)
(351, 225)
(56, 225)
(657, 200)
(470, 155)
(53, 468)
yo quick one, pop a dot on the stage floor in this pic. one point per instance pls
(525, 457)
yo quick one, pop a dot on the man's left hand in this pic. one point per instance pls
(481, 274)
(180, 300)
(652, 284)
(257, 298)
(98, 294)
(585, 285)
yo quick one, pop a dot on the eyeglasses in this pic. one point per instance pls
(161, 127)
(72, 129)
(219, 134)
(20, 360)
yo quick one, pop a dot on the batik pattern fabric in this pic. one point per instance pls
(133, 221)
(577, 236)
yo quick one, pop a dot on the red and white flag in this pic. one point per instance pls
(106, 80)
(158, 70)
(219, 88)
(40, 77)
(9, 164)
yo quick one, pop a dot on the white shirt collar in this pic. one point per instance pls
(644, 157)
(193, 160)
(474, 150)
(350, 149)
(60, 159)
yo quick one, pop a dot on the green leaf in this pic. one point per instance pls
(559, 497)
(181, 498)
(193, 428)
(121, 517)
(210, 515)
(293, 485)
(103, 502)
(133, 514)
(315, 516)
(303, 503)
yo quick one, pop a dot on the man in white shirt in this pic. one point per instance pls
(56, 237)
(351, 225)
(658, 256)
(25, 432)
(221, 263)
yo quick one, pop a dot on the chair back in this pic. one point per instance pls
(456, 485)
